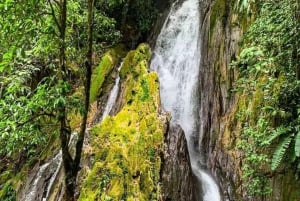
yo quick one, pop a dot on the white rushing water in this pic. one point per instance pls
(33, 191)
(44, 179)
(113, 95)
(177, 61)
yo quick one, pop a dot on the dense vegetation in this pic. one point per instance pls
(47, 51)
(269, 93)
(56, 54)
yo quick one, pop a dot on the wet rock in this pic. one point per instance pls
(178, 182)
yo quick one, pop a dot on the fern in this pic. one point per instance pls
(280, 152)
(297, 145)
(278, 132)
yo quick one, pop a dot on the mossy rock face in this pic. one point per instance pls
(217, 13)
(127, 146)
(133, 58)
(103, 70)
(100, 73)
(7, 190)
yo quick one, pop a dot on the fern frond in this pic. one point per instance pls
(280, 152)
(297, 144)
(278, 132)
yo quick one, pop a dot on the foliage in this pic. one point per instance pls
(252, 143)
(42, 58)
(143, 13)
(134, 15)
(246, 5)
(280, 151)
(29, 88)
(270, 90)
(7, 193)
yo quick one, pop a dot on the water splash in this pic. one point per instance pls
(177, 60)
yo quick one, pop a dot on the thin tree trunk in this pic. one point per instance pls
(88, 75)
(70, 176)
(72, 167)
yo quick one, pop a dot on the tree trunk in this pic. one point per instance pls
(88, 75)
(70, 175)
(72, 166)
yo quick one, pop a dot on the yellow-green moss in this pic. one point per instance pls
(100, 73)
(127, 147)
(103, 70)
(133, 58)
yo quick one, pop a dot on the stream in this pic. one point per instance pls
(177, 61)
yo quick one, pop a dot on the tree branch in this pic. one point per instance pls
(33, 118)
(54, 16)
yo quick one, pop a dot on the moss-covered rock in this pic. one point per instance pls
(108, 61)
(100, 73)
(132, 60)
(127, 146)
(218, 11)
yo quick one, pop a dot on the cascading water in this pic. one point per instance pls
(113, 95)
(177, 60)
(42, 183)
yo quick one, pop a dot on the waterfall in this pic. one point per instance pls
(113, 95)
(177, 61)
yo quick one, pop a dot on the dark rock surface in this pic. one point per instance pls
(178, 182)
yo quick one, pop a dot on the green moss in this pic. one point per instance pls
(100, 73)
(217, 13)
(104, 69)
(5, 176)
(127, 147)
(133, 58)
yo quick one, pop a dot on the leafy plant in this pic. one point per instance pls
(8, 193)
(279, 152)
(269, 84)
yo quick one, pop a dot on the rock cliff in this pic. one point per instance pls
(222, 30)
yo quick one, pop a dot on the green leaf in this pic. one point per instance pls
(280, 152)
(278, 132)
